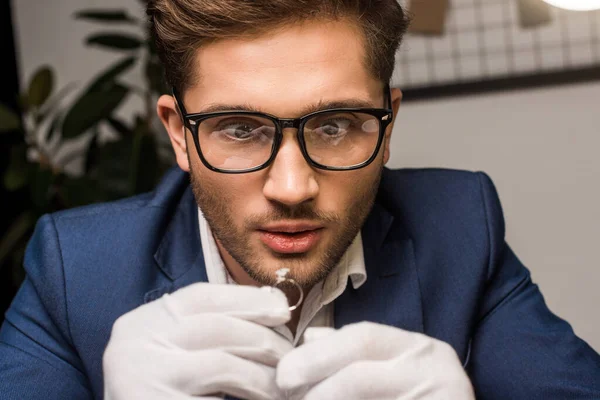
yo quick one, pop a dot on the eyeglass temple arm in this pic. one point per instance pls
(388, 95)
(180, 106)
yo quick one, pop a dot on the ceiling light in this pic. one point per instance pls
(576, 5)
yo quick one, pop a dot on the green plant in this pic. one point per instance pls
(47, 123)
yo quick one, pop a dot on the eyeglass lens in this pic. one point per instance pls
(239, 142)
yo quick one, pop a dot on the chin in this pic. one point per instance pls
(305, 268)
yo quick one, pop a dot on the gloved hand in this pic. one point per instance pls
(371, 361)
(203, 340)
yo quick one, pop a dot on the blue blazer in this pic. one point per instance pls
(436, 260)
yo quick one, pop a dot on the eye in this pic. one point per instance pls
(238, 130)
(243, 130)
(335, 127)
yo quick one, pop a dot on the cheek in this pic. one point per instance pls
(237, 195)
(341, 192)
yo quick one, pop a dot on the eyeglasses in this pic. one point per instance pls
(339, 139)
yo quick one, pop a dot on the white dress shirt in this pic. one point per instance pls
(317, 308)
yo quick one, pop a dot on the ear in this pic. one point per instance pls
(169, 115)
(396, 99)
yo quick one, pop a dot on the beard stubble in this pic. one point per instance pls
(307, 271)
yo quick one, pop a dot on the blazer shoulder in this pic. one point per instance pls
(434, 186)
(435, 202)
(99, 241)
(434, 178)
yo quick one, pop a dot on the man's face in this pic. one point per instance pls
(288, 214)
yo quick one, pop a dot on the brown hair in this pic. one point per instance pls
(179, 27)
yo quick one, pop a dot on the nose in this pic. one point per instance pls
(290, 180)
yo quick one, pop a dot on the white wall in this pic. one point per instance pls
(541, 148)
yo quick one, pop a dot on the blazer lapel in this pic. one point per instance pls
(180, 250)
(391, 293)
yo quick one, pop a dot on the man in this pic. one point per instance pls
(280, 120)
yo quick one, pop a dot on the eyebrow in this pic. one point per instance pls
(320, 106)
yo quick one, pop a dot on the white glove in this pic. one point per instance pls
(203, 340)
(372, 361)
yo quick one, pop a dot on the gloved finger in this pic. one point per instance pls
(154, 391)
(310, 334)
(206, 372)
(313, 333)
(235, 336)
(323, 357)
(266, 307)
(361, 380)
(395, 380)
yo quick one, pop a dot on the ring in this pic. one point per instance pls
(282, 278)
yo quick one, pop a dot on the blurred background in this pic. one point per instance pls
(508, 87)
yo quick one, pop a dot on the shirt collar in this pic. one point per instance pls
(215, 268)
(351, 265)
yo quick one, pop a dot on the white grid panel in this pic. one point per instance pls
(483, 40)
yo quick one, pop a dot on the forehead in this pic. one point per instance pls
(285, 70)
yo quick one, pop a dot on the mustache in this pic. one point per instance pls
(281, 212)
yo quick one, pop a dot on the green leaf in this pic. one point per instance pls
(40, 86)
(81, 191)
(112, 168)
(91, 108)
(52, 128)
(23, 102)
(148, 167)
(119, 126)
(128, 165)
(103, 91)
(152, 49)
(91, 153)
(144, 164)
(115, 41)
(17, 231)
(105, 16)
(107, 78)
(52, 104)
(18, 256)
(155, 77)
(9, 120)
(40, 188)
(17, 174)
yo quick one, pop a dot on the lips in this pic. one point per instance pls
(291, 238)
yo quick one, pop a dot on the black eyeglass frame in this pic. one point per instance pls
(192, 121)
